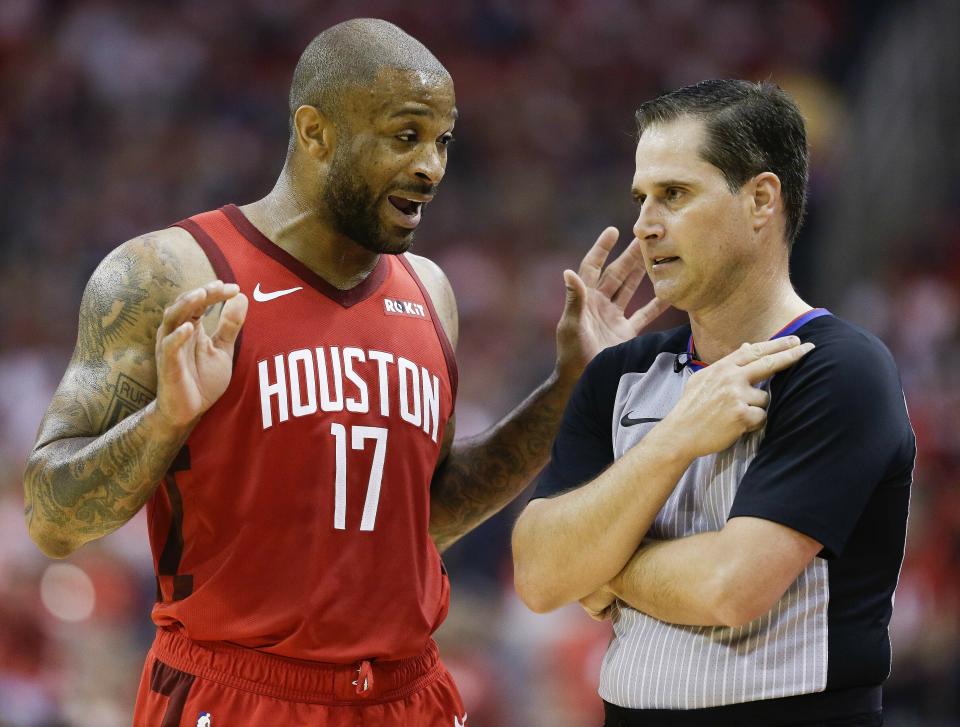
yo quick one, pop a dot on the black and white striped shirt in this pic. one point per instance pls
(834, 462)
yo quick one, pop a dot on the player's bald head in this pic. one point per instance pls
(351, 55)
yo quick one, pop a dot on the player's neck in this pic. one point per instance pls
(751, 314)
(297, 228)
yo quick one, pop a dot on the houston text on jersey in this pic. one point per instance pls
(307, 381)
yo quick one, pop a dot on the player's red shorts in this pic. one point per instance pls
(186, 684)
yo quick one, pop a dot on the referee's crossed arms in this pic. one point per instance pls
(568, 548)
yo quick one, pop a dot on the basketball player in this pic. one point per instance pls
(285, 371)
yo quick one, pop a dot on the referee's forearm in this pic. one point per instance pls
(674, 581)
(565, 547)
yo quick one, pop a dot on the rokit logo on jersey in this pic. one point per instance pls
(397, 307)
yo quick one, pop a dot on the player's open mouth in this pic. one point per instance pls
(407, 210)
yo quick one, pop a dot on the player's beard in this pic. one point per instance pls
(354, 210)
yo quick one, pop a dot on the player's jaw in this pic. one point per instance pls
(381, 223)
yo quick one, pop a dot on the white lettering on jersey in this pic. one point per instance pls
(291, 388)
(431, 403)
(398, 307)
(328, 403)
(268, 390)
(383, 360)
(296, 361)
(409, 391)
(361, 405)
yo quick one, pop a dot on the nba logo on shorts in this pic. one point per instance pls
(204, 720)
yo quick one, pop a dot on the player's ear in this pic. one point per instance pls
(765, 198)
(314, 132)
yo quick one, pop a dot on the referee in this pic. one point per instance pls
(743, 530)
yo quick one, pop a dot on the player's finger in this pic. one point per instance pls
(170, 347)
(623, 296)
(576, 294)
(188, 305)
(231, 319)
(636, 275)
(219, 292)
(621, 271)
(772, 363)
(646, 315)
(180, 310)
(192, 304)
(750, 352)
(592, 263)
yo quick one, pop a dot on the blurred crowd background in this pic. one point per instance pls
(119, 117)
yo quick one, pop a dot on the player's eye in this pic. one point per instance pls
(445, 140)
(673, 194)
(408, 136)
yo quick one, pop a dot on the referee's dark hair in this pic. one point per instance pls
(751, 128)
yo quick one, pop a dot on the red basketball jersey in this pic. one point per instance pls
(295, 520)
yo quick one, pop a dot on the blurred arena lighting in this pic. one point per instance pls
(67, 592)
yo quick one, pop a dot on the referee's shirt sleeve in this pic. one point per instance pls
(837, 428)
(583, 447)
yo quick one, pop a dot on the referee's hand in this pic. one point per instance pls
(599, 604)
(720, 403)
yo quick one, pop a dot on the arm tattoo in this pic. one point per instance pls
(91, 486)
(484, 473)
(128, 397)
(98, 457)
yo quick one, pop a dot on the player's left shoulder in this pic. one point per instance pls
(430, 274)
(440, 291)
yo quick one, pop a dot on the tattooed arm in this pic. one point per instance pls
(480, 475)
(107, 438)
(477, 477)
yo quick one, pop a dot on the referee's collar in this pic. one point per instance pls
(695, 364)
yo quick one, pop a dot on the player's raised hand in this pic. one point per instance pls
(193, 368)
(593, 317)
(720, 403)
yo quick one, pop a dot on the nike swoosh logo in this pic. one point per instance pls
(628, 421)
(261, 297)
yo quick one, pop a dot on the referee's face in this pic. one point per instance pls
(697, 241)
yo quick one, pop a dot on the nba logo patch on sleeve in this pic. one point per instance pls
(398, 307)
(203, 720)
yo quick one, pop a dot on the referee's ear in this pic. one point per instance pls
(765, 200)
